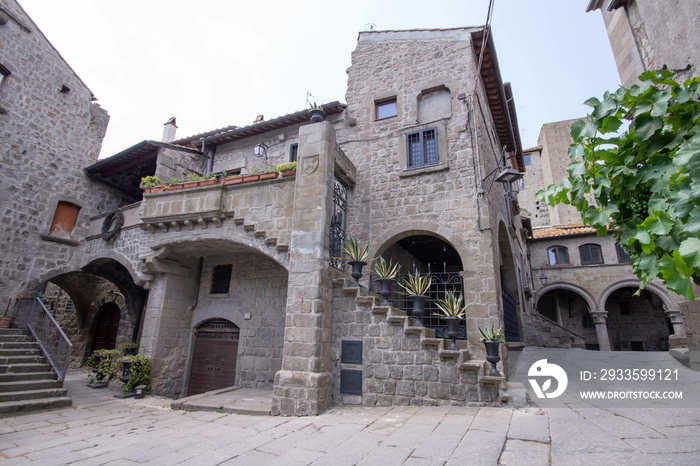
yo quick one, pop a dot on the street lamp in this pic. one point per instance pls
(543, 279)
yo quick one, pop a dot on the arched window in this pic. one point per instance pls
(590, 254)
(558, 255)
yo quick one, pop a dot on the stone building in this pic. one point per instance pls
(584, 282)
(651, 35)
(239, 281)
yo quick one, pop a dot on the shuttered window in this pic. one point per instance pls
(591, 254)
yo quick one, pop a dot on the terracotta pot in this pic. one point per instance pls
(269, 175)
(235, 180)
(286, 173)
(190, 184)
(174, 187)
(5, 322)
(248, 178)
(209, 182)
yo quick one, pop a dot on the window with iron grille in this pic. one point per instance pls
(591, 254)
(622, 256)
(221, 279)
(293, 149)
(337, 229)
(422, 148)
(558, 255)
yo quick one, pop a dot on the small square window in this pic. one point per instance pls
(422, 148)
(527, 158)
(293, 149)
(385, 109)
(221, 279)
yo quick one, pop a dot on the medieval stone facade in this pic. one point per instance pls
(411, 165)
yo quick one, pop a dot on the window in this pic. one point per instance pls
(527, 158)
(293, 149)
(558, 255)
(4, 73)
(385, 109)
(422, 148)
(221, 279)
(590, 254)
(622, 256)
(64, 219)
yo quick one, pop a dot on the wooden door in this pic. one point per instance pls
(214, 357)
(107, 328)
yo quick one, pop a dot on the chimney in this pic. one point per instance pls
(169, 130)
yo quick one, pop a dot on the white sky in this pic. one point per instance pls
(215, 63)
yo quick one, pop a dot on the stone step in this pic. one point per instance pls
(410, 330)
(249, 227)
(26, 376)
(40, 366)
(17, 337)
(270, 241)
(473, 365)
(33, 394)
(29, 385)
(449, 355)
(431, 343)
(30, 406)
(14, 331)
(19, 345)
(238, 221)
(259, 234)
(350, 290)
(20, 352)
(282, 248)
(380, 310)
(366, 301)
(21, 359)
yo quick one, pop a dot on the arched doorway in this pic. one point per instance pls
(637, 323)
(214, 356)
(107, 328)
(570, 310)
(427, 254)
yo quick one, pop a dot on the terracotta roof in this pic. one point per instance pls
(562, 230)
(234, 133)
(532, 149)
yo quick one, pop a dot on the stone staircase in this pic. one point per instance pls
(27, 382)
(452, 376)
(545, 333)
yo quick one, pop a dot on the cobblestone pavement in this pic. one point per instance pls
(100, 429)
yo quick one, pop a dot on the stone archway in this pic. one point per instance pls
(570, 309)
(637, 323)
(426, 253)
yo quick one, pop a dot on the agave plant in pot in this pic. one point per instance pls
(416, 286)
(452, 310)
(492, 338)
(387, 276)
(356, 253)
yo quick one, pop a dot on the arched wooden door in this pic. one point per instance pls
(107, 328)
(214, 356)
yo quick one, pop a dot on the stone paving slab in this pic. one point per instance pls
(100, 430)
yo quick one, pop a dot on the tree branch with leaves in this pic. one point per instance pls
(642, 183)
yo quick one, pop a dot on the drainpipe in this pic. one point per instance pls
(193, 305)
(210, 158)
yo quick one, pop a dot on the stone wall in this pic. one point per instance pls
(256, 304)
(49, 131)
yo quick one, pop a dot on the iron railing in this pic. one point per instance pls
(337, 229)
(510, 317)
(440, 283)
(32, 314)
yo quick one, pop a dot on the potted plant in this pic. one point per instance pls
(136, 370)
(252, 175)
(387, 276)
(356, 253)
(287, 169)
(233, 179)
(317, 113)
(129, 348)
(176, 183)
(270, 172)
(104, 367)
(452, 311)
(492, 338)
(152, 184)
(208, 180)
(416, 286)
(192, 180)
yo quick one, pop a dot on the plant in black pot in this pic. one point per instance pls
(492, 338)
(104, 367)
(356, 253)
(387, 276)
(316, 113)
(129, 348)
(452, 311)
(416, 286)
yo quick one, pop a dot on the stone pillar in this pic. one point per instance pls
(691, 319)
(167, 327)
(600, 319)
(304, 385)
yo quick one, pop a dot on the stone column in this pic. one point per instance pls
(674, 315)
(600, 319)
(304, 385)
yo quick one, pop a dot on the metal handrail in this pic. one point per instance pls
(53, 342)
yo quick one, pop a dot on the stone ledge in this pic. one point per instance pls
(494, 382)
(55, 239)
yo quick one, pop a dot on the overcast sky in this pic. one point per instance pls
(215, 63)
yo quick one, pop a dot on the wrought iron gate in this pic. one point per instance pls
(337, 230)
(510, 317)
